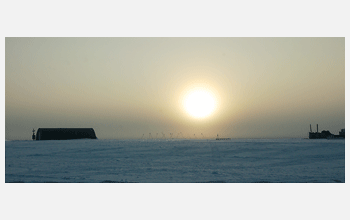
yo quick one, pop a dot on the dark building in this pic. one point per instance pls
(325, 134)
(341, 134)
(320, 135)
(65, 133)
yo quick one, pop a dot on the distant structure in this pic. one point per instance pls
(33, 135)
(221, 139)
(325, 134)
(64, 133)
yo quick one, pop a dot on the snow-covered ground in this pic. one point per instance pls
(178, 161)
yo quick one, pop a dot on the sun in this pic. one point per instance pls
(200, 103)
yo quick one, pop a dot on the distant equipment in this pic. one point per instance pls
(221, 139)
(179, 135)
(33, 135)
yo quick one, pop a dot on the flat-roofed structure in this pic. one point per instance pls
(65, 133)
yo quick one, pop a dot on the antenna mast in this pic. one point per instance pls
(33, 135)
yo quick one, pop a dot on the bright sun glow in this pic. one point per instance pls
(200, 103)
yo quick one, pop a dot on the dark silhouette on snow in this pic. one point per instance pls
(65, 133)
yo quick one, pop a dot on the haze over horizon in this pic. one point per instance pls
(127, 87)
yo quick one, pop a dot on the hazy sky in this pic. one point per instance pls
(127, 87)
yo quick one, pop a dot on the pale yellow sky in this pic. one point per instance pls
(127, 87)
